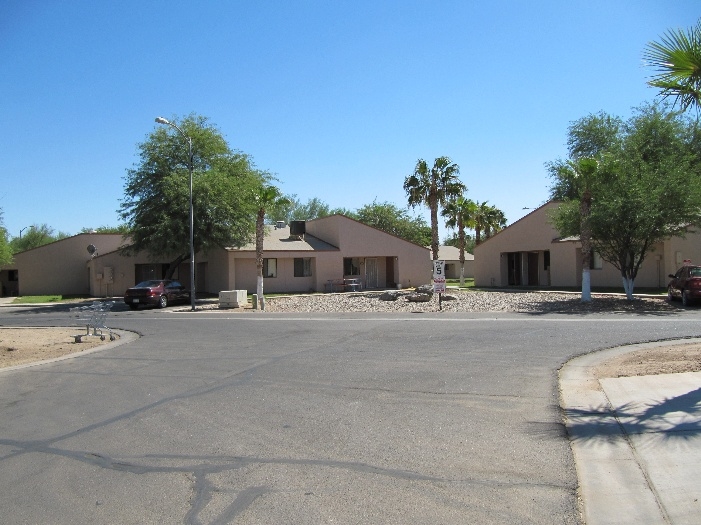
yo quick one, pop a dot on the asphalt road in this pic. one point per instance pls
(259, 418)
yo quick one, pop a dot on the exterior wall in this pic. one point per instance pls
(451, 256)
(356, 239)
(8, 285)
(246, 272)
(532, 233)
(677, 250)
(62, 266)
(123, 272)
(66, 267)
(220, 272)
(563, 264)
(651, 274)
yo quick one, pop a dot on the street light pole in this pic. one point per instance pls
(190, 167)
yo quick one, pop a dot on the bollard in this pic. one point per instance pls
(254, 298)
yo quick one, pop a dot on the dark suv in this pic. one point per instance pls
(159, 292)
(686, 284)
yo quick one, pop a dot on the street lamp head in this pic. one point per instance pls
(161, 120)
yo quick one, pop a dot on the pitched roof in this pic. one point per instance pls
(452, 253)
(279, 240)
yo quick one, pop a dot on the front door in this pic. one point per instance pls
(514, 262)
(371, 273)
(533, 273)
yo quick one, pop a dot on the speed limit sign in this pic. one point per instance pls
(439, 269)
(438, 277)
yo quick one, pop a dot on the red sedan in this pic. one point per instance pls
(161, 293)
(685, 284)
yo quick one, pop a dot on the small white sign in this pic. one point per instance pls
(439, 269)
(439, 285)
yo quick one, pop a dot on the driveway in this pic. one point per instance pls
(281, 418)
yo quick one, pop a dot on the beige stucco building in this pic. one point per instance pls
(329, 249)
(530, 252)
(451, 256)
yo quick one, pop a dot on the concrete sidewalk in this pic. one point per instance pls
(636, 442)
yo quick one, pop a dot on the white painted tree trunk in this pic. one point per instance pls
(259, 291)
(586, 285)
(628, 287)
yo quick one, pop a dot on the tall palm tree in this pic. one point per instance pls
(479, 219)
(266, 197)
(677, 58)
(580, 176)
(433, 187)
(459, 212)
(495, 221)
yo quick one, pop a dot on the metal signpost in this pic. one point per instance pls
(439, 281)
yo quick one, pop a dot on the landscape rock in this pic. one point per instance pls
(425, 289)
(419, 297)
(390, 296)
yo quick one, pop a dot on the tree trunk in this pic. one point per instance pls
(260, 234)
(585, 237)
(174, 266)
(433, 204)
(628, 284)
(461, 242)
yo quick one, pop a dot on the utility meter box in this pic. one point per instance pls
(233, 299)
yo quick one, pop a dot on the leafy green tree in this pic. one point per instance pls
(433, 187)
(121, 228)
(292, 209)
(459, 212)
(157, 192)
(34, 236)
(265, 197)
(646, 188)
(5, 248)
(452, 240)
(396, 221)
(589, 139)
(677, 59)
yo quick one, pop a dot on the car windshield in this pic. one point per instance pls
(148, 284)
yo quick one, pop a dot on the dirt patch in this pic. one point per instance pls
(20, 346)
(672, 359)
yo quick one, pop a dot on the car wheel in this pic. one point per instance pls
(685, 298)
(670, 295)
(133, 306)
(163, 301)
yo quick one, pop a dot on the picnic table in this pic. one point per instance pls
(347, 284)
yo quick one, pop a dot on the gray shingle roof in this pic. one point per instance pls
(279, 240)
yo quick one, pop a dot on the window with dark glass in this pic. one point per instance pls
(351, 266)
(269, 267)
(303, 267)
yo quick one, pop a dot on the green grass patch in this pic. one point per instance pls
(469, 283)
(35, 299)
(32, 299)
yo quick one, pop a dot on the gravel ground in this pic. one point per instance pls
(459, 301)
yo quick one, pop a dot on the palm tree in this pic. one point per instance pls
(579, 175)
(267, 196)
(459, 212)
(495, 221)
(479, 219)
(433, 187)
(677, 58)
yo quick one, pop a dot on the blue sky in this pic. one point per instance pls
(338, 99)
